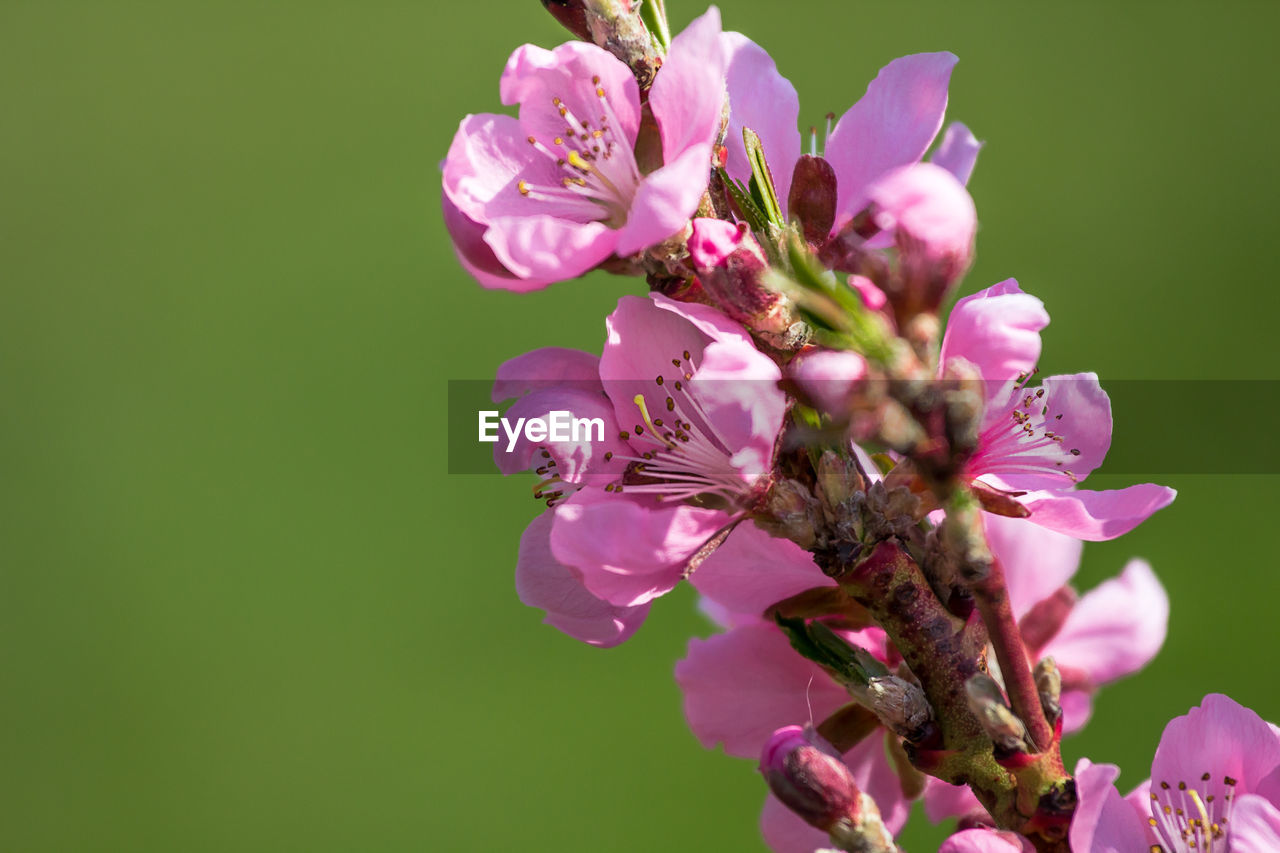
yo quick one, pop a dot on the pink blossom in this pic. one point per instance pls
(891, 126)
(1215, 785)
(693, 412)
(549, 195)
(1040, 442)
(933, 221)
(558, 379)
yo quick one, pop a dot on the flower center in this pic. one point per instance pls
(682, 455)
(1192, 817)
(551, 488)
(1027, 438)
(597, 170)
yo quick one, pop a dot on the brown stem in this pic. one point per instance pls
(992, 596)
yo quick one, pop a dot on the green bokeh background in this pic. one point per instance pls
(243, 605)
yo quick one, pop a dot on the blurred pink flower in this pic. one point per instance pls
(548, 196)
(1040, 441)
(987, 841)
(1215, 785)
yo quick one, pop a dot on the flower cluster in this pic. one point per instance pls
(881, 512)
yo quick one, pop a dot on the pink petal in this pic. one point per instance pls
(713, 241)
(485, 160)
(892, 125)
(545, 583)
(1116, 628)
(1255, 826)
(877, 777)
(1097, 516)
(687, 96)
(1085, 425)
(751, 571)
(1222, 738)
(549, 247)
(741, 686)
(665, 200)
(958, 152)
(580, 456)
(477, 258)
(546, 367)
(629, 550)
(785, 832)
(762, 99)
(1077, 709)
(997, 330)
(706, 319)
(534, 77)
(1037, 561)
(943, 801)
(984, 841)
(737, 387)
(1103, 822)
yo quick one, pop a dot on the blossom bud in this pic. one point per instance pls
(791, 512)
(810, 777)
(729, 263)
(812, 199)
(571, 14)
(899, 704)
(933, 221)
(1049, 686)
(839, 477)
(986, 700)
(828, 378)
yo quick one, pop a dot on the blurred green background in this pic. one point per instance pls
(243, 606)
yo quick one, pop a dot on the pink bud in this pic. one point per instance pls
(872, 296)
(810, 778)
(933, 221)
(827, 378)
(729, 263)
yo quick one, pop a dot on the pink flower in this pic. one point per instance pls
(1215, 785)
(550, 195)
(692, 413)
(891, 126)
(1040, 442)
(547, 380)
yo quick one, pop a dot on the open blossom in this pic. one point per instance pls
(549, 195)
(1215, 785)
(1039, 442)
(692, 413)
(890, 127)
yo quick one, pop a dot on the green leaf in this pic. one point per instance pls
(762, 179)
(747, 206)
